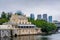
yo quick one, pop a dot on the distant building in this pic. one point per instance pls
(39, 17)
(32, 16)
(45, 17)
(50, 18)
(55, 21)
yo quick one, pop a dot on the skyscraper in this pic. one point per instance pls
(39, 17)
(50, 18)
(45, 17)
(32, 16)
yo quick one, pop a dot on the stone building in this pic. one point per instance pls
(19, 19)
(5, 30)
(21, 26)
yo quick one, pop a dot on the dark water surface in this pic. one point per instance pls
(34, 37)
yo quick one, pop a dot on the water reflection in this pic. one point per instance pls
(44, 38)
(32, 37)
(25, 38)
(5, 38)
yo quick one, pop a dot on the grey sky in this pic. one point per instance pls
(51, 7)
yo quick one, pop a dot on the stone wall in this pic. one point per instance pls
(4, 33)
(19, 31)
(26, 31)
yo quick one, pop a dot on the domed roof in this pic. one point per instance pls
(19, 12)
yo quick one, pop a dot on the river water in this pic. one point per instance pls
(35, 37)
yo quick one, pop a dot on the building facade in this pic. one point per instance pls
(45, 17)
(27, 31)
(50, 18)
(5, 30)
(32, 16)
(23, 26)
(19, 19)
(39, 17)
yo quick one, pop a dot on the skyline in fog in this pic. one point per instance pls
(49, 7)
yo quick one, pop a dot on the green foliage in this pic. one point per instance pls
(3, 20)
(3, 15)
(44, 25)
(9, 15)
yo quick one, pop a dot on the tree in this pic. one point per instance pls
(44, 25)
(3, 20)
(9, 15)
(3, 15)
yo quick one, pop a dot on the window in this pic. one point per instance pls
(22, 22)
(32, 26)
(26, 26)
(29, 26)
(22, 27)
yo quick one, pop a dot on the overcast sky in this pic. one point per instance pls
(50, 7)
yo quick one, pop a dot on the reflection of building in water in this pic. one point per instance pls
(25, 38)
(31, 37)
(5, 38)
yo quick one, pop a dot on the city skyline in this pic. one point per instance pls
(50, 7)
